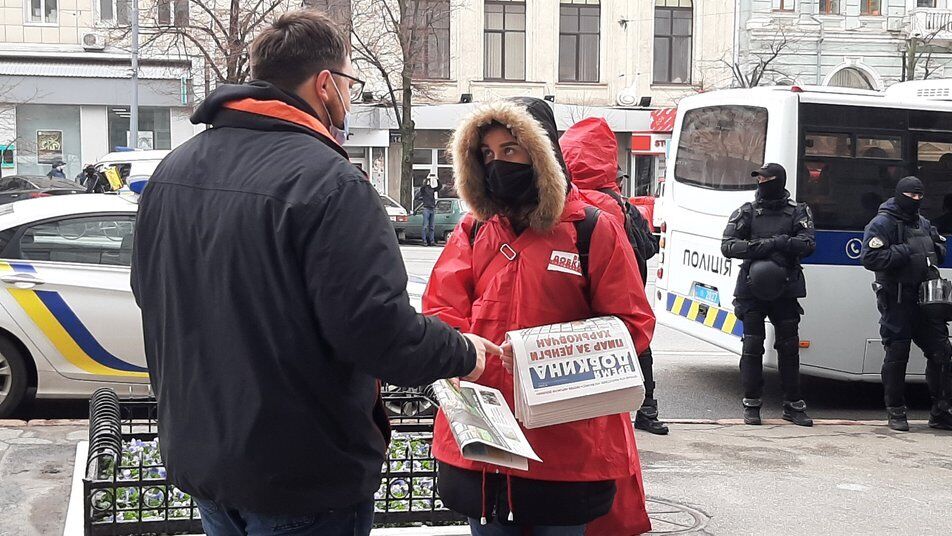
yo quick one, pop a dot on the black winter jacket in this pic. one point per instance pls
(902, 248)
(273, 295)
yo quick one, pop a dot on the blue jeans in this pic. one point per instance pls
(355, 520)
(498, 529)
(429, 233)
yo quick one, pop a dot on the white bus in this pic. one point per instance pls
(844, 151)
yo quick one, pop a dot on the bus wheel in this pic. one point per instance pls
(14, 378)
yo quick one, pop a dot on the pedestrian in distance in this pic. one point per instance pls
(58, 170)
(427, 196)
(591, 154)
(497, 274)
(771, 235)
(274, 300)
(903, 248)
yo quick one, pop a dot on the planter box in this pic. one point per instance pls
(125, 491)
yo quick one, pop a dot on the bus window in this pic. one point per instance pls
(719, 145)
(821, 144)
(888, 147)
(935, 169)
(845, 187)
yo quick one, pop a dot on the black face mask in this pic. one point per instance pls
(511, 182)
(908, 204)
(772, 189)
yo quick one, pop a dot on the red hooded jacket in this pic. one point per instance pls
(527, 291)
(591, 154)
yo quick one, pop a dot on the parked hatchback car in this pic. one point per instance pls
(395, 210)
(17, 187)
(449, 212)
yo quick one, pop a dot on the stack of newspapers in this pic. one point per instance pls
(574, 371)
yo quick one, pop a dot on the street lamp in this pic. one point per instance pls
(134, 108)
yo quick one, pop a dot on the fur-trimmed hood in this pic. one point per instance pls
(532, 123)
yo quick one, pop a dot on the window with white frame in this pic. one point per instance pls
(504, 40)
(829, 7)
(925, 3)
(172, 12)
(42, 11)
(115, 11)
(871, 7)
(674, 30)
(579, 35)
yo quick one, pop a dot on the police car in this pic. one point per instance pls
(68, 321)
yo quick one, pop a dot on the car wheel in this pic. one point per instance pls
(446, 236)
(401, 236)
(14, 378)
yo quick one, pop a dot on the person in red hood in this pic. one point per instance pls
(591, 154)
(495, 275)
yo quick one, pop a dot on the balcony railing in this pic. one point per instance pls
(932, 24)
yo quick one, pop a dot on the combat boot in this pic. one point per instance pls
(940, 417)
(896, 418)
(752, 410)
(647, 418)
(796, 412)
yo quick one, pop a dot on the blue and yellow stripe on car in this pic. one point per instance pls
(704, 313)
(59, 323)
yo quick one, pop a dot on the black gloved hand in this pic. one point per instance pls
(781, 243)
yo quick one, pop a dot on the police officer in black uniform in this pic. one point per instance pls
(771, 235)
(904, 250)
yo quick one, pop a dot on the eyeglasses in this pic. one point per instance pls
(356, 86)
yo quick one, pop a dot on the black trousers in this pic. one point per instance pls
(901, 323)
(784, 314)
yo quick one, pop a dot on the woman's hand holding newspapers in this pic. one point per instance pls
(483, 347)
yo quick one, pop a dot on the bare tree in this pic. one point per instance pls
(398, 43)
(760, 64)
(217, 32)
(919, 52)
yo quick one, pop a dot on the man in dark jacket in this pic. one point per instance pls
(273, 296)
(904, 250)
(771, 234)
(427, 197)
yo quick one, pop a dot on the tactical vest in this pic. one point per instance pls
(919, 241)
(767, 222)
(770, 219)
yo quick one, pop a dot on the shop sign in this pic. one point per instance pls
(49, 146)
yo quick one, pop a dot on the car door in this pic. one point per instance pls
(66, 283)
(444, 217)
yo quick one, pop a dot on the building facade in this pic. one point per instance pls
(863, 44)
(65, 90)
(618, 59)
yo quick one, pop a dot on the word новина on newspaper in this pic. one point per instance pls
(483, 425)
(574, 371)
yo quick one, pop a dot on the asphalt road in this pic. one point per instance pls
(695, 379)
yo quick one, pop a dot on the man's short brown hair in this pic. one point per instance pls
(298, 45)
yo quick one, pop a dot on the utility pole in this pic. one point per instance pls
(134, 109)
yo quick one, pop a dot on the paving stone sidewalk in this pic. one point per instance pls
(717, 478)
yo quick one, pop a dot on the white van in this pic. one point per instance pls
(132, 163)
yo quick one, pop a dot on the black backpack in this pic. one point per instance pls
(583, 228)
(639, 233)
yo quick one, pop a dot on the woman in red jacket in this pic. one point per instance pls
(510, 172)
(590, 150)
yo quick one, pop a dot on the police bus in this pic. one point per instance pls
(844, 150)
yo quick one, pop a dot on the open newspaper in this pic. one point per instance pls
(574, 371)
(483, 425)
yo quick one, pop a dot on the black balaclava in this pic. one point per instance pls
(775, 188)
(911, 185)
